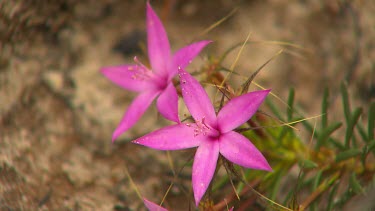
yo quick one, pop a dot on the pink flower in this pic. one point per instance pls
(154, 82)
(211, 133)
(151, 206)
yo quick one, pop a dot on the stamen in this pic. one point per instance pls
(140, 64)
(205, 123)
(141, 72)
(202, 127)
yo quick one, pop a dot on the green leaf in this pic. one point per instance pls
(347, 154)
(354, 184)
(371, 121)
(276, 185)
(351, 124)
(336, 143)
(367, 149)
(325, 108)
(274, 109)
(345, 101)
(331, 196)
(308, 164)
(283, 133)
(371, 145)
(362, 132)
(326, 132)
(308, 126)
(317, 179)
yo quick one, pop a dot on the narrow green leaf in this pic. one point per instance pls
(354, 141)
(318, 177)
(306, 182)
(354, 184)
(371, 121)
(347, 154)
(219, 184)
(362, 132)
(326, 132)
(351, 124)
(276, 185)
(290, 198)
(371, 145)
(274, 109)
(308, 164)
(240, 187)
(317, 180)
(308, 126)
(343, 199)
(325, 108)
(336, 143)
(283, 133)
(366, 150)
(331, 196)
(345, 102)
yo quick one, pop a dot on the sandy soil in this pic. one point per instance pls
(57, 112)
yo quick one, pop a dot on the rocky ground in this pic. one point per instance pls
(57, 112)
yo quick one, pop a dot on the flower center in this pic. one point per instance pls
(141, 73)
(159, 82)
(202, 128)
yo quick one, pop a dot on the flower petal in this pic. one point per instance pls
(167, 103)
(240, 109)
(239, 150)
(185, 55)
(196, 99)
(174, 137)
(204, 166)
(127, 76)
(151, 206)
(158, 44)
(134, 112)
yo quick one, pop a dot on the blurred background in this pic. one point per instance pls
(57, 112)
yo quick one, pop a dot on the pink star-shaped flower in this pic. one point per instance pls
(211, 133)
(154, 82)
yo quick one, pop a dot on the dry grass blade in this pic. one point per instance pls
(235, 60)
(132, 184)
(230, 170)
(217, 23)
(245, 86)
(289, 124)
(267, 199)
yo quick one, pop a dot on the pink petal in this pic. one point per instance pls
(158, 44)
(239, 150)
(204, 167)
(151, 206)
(185, 55)
(174, 137)
(134, 112)
(196, 99)
(240, 109)
(167, 103)
(129, 77)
